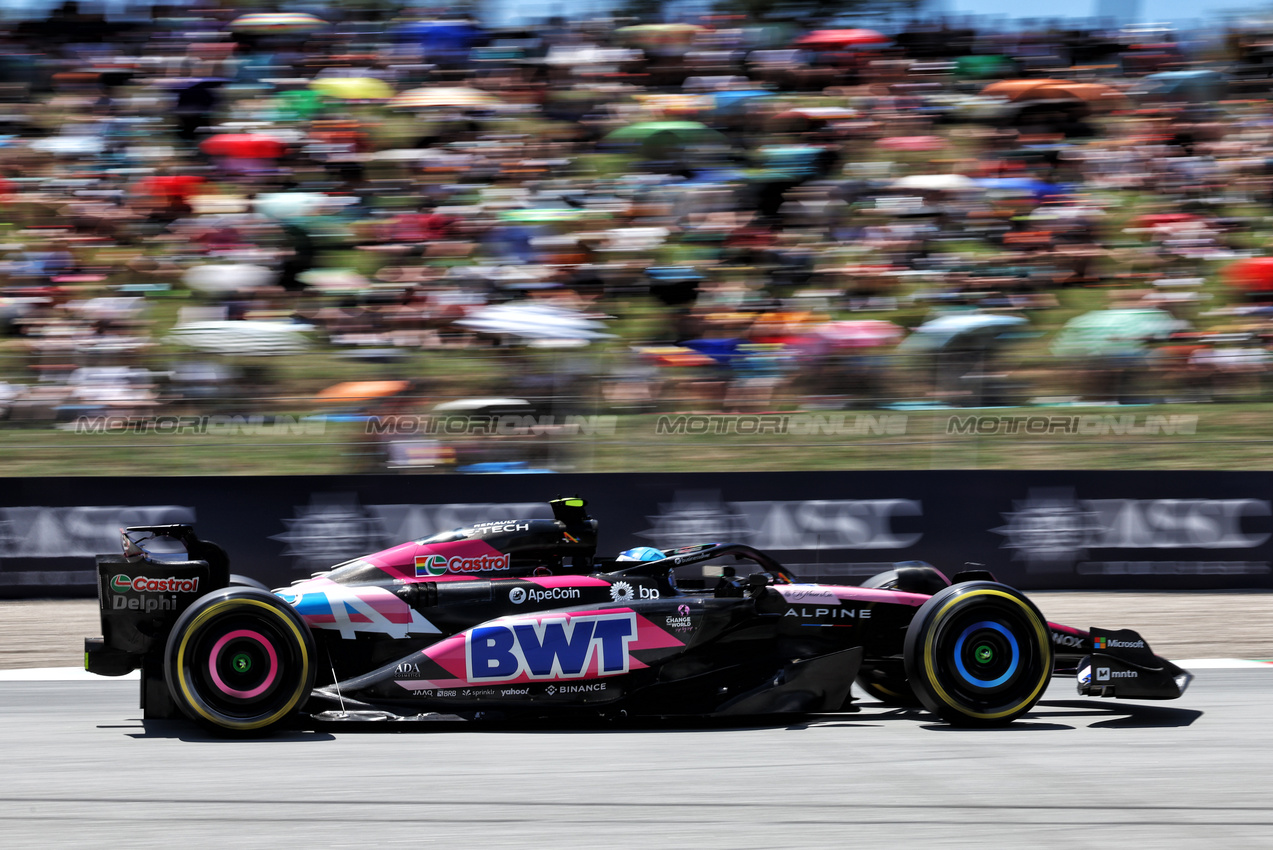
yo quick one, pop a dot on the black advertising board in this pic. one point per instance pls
(1035, 530)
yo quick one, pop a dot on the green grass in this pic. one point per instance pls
(1227, 437)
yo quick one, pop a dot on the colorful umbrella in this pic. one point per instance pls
(1253, 274)
(226, 278)
(1199, 85)
(170, 186)
(1151, 220)
(243, 146)
(299, 104)
(1023, 185)
(534, 322)
(242, 337)
(963, 329)
(454, 97)
(656, 137)
(1012, 89)
(936, 183)
(362, 390)
(1104, 332)
(549, 215)
(981, 66)
(1093, 94)
(841, 38)
(352, 88)
(267, 23)
(912, 143)
(862, 333)
(821, 113)
(289, 205)
(444, 36)
(732, 100)
(335, 280)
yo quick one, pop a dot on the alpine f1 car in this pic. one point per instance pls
(520, 619)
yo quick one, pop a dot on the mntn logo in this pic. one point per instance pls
(560, 647)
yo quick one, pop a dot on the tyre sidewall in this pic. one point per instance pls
(287, 639)
(927, 648)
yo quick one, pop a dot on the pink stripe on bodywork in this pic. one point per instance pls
(834, 594)
(567, 581)
(1069, 630)
(326, 604)
(430, 684)
(399, 561)
(450, 653)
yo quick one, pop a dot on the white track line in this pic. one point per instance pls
(58, 674)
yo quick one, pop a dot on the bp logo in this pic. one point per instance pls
(621, 591)
(430, 565)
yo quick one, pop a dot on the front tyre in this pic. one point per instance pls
(239, 660)
(978, 654)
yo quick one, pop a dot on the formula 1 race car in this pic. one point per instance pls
(519, 619)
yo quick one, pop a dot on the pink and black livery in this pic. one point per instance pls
(518, 618)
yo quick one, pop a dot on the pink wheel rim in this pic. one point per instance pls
(216, 653)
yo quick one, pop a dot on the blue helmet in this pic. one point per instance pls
(641, 553)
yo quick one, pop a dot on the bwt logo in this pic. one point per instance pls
(555, 648)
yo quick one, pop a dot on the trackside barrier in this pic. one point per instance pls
(1035, 530)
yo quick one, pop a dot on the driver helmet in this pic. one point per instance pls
(641, 553)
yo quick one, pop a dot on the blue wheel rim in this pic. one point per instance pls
(987, 683)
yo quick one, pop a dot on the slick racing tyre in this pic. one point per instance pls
(239, 660)
(978, 654)
(887, 682)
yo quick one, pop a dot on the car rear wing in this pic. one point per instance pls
(144, 589)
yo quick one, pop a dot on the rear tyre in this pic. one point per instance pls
(239, 660)
(247, 581)
(978, 654)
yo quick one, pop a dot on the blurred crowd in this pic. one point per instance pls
(212, 211)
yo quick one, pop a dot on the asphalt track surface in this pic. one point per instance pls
(82, 770)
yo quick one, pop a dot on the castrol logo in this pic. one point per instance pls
(436, 565)
(146, 584)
